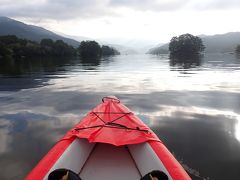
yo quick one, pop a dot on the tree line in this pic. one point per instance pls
(93, 49)
(13, 47)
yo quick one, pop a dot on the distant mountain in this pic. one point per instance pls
(12, 27)
(162, 49)
(123, 49)
(77, 38)
(220, 43)
(133, 45)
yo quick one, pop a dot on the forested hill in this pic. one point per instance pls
(221, 42)
(12, 27)
(214, 44)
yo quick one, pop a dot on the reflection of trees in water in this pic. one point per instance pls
(92, 63)
(238, 56)
(89, 61)
(31, 73)
(40, 66)
(186, 62)
(108, 59)
(15, 67)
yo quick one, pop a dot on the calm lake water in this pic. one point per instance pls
(194, 108)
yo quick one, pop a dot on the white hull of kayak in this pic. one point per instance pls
(104, 161)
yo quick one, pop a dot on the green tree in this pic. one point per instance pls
(107, 51)
(9, 39)
(57, 48)
(47, 43)
(13, 47)
(89, 49)
(186, 45)
(63, 49)
(5, 52)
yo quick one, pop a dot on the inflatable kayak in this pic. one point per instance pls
(110, 142)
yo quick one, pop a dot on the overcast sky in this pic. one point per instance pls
(153, 20)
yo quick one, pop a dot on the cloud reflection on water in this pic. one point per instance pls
(199, 130)
(195, 112)
(203, 143)
(26, 140)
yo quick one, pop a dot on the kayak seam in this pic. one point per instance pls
(134, 161)
(87, 158)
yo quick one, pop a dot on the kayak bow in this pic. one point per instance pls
(110, 142)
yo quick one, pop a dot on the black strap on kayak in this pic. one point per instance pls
(111, 124)
(118, 126)
(123, 114)
(96, 114)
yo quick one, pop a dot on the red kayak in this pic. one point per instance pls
(110, 142)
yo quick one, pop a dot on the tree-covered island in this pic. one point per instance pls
(186, 45)
(185, 51)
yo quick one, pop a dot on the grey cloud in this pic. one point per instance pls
(56, 9)
(173, 5)
(153, 5)
(74, 9)
(214, 5)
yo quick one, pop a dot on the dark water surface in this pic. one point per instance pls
(193, 107)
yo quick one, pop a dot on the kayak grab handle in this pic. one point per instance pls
(111, 98)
